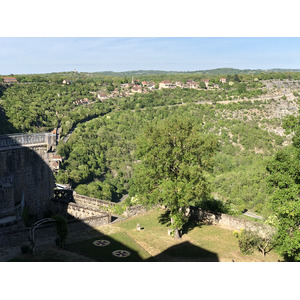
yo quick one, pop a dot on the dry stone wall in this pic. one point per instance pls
(230, 222)
(75, 210)
(134, 211)
(91, 202)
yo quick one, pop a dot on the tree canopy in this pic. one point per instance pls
(174, 157)
(285, 177)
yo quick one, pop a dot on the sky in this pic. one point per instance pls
(31, 55)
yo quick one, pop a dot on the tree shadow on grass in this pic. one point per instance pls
(165, 218)
(192, 222)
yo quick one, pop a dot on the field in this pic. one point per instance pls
(205, 243)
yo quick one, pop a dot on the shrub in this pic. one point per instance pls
(247, 241)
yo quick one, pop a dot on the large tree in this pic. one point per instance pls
(284, 171)
(174, 156)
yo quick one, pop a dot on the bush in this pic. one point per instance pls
(247, 241)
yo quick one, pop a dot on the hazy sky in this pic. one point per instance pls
(21, 55)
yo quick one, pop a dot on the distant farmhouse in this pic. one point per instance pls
(149, 84)
(166, 84)
(206, 81)
(67, 82)
(136, 89)
(102, 96)
(9, 80)
(192, 84)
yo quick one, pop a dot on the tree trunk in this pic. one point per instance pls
(176, 231)
(177, 234)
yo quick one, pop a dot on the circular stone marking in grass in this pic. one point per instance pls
(121, 253)
(101, 243)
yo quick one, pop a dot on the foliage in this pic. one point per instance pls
(119, 209)
(266, 244)
(100, 155)
(284, 171)
(247, 241)
(215, 206)
(174, 156)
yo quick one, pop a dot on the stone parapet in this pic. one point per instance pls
(91, 202)
(19, 140)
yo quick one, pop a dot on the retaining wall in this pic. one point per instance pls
(134, 210)
(91, 202)
(76, 210)
(230, 222)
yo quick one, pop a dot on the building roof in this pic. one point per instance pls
(9, 78)
(136, 87)
(56, 157)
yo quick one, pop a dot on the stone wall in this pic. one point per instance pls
(75, 210)
(230, 222)
(29, 174)
(20, 140)
(134, 210)
(91, 202)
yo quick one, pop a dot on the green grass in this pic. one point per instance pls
(118, 241)
(201, 243)
(152, 243)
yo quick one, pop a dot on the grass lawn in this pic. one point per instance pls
(117, 241)
(152, 243)
(205, 243)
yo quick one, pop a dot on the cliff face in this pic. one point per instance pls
(26, 171)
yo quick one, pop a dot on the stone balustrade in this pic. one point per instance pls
(19, 140)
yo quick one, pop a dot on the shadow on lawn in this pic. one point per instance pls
(185, 252)
(117, 251)
(193, 222)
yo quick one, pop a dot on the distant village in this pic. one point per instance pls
(144, 87)
(128, 89)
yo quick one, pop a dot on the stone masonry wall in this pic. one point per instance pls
(91, 202)
(134, 211)
(30, 174)
(231, 222)
(70, 209)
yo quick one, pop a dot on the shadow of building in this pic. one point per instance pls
(27, 195)
(185, 252)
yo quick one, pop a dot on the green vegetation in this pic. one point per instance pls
(174, 156)
(250, 241)
(252, 169)
(285, 177)
(152, 243)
